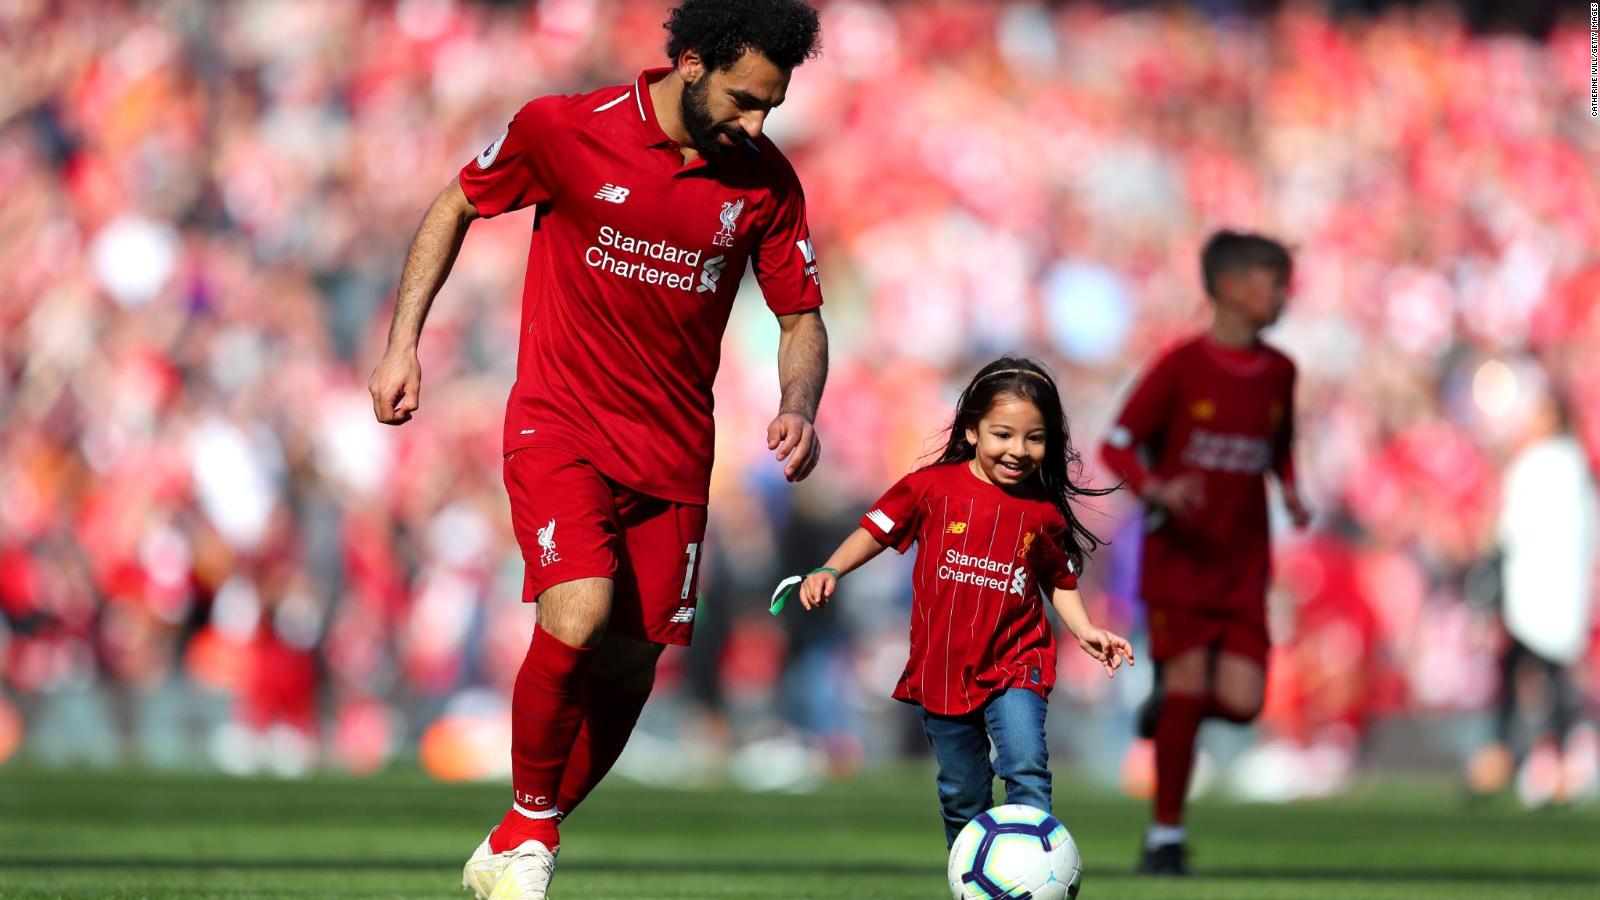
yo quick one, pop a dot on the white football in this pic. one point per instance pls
(1015, 852)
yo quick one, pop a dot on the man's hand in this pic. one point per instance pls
(1179, 495)
(396, 383)
(396, 387)
(795, 439)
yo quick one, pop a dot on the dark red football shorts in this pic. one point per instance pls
(572, 522)
(1178, 629)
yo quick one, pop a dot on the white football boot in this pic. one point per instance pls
(529, 867)
(482, 872)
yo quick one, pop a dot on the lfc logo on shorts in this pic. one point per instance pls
(547, 542)
(730, 220)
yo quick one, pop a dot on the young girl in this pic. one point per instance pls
(994, 522)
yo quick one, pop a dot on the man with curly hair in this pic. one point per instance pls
(650, 198)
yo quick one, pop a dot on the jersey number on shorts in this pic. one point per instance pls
(693, 550)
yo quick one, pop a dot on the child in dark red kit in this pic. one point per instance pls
(1207, 421)
(994, 523)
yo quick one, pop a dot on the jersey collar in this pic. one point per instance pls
(1237, 360)
(650, 130)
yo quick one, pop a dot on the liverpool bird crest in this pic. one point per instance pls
(730, 221)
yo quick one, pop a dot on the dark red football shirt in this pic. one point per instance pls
(632, 271)
(978, 623)
(1226, 415)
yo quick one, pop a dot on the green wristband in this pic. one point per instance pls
(789, 586)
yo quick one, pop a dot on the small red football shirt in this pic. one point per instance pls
(978, 623)
(1226, 415)
(633, 268)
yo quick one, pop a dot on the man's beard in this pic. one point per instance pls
(695, 111)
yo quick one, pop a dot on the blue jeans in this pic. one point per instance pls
(1014, 720)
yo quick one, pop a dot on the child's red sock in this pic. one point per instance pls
(609, 713)
(1176, 728)
(545, 716)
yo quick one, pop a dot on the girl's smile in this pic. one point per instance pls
(1010, 441)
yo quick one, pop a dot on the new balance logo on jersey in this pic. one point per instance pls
(547, 543)
(956, 528)
(882, 521)
(684, 615)
(612, 194)
(709, 273)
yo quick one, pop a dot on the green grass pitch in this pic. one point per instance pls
(98, 835)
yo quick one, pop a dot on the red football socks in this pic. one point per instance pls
(545, 718)
(609, 713)
(1176, 729)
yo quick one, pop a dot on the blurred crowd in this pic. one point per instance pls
(208, 545)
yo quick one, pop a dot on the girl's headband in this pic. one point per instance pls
(1014, 372)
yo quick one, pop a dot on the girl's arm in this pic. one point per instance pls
(1108, 648)
(857, 549)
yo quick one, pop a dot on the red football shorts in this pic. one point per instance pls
(572, 522)
(1178, 629)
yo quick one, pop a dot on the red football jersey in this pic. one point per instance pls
(632, 271)
(1226, 415)
(978, 624)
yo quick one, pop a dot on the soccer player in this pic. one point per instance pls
(1204, 425)
(650, 198)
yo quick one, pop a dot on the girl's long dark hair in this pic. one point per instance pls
(1061, 470)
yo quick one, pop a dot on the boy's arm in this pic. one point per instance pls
(1283, 460)
(1142, 419)
(1106, 647)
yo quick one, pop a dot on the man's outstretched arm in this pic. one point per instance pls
(802, 371)
(396, 383)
